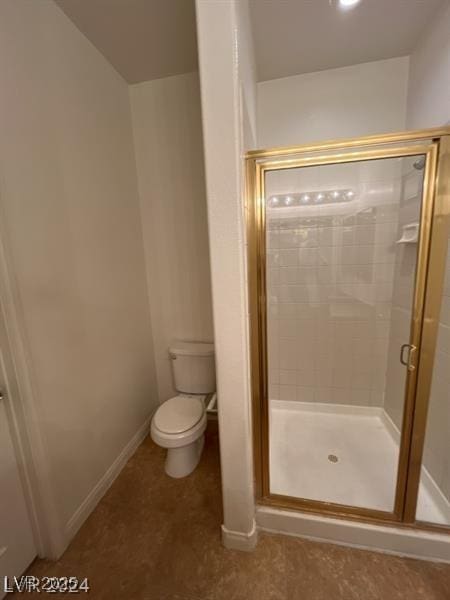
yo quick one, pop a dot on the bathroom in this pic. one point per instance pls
(128, 228)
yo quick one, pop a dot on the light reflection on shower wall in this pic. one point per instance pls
(330, 281)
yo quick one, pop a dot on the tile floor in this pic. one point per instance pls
(365, 474)
(156, 538)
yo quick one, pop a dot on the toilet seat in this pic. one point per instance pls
(178, 415)
(178, 440)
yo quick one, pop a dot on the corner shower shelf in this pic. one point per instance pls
(410, 234)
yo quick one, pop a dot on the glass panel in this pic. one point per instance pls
(434, 492)
(341, 257)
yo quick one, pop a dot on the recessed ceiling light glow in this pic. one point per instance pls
(348, 3)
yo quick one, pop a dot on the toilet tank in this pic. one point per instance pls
(193, 367)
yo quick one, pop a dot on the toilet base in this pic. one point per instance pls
(180, 462)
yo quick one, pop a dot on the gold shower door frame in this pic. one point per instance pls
(429, 281)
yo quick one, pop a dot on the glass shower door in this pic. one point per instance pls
(341, 255)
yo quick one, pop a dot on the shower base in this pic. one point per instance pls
(342, 454)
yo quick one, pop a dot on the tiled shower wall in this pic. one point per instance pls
(330, 272)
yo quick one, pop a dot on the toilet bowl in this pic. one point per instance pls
(179, 425)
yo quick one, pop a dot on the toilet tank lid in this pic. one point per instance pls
(191, 349)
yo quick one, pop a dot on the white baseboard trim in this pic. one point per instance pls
(425, 545)
(238, 540)
(102, 486)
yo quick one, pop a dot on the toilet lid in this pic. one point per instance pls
(179, 414)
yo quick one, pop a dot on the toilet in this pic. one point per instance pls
(179, 424)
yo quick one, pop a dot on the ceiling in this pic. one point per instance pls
(149, 39)
(142, 39)
(301, 36)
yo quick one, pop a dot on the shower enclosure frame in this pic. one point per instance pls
(429, 281)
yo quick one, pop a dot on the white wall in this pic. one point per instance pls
(351, 101)
(429, 77)
(169, 155)
(227, 86)
(70, 216)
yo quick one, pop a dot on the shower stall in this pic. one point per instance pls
(349, 288)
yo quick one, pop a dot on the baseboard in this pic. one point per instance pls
(99, 490)
(238, 540)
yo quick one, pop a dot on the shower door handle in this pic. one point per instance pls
(409, 361)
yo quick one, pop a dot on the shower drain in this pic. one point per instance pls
(333, 458)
